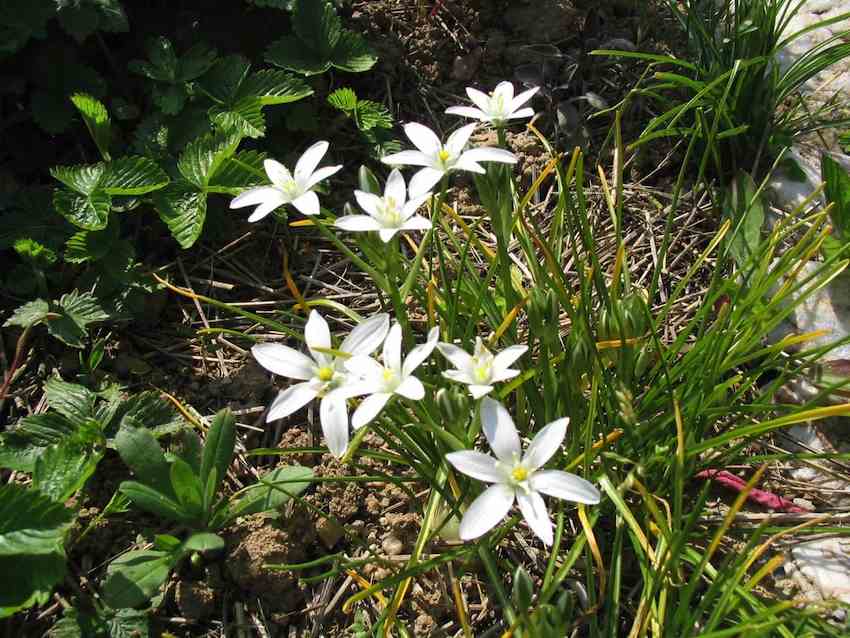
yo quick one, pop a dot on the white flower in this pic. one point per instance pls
(438, 159)
(287, 188)
(388, 214)
(381, 382)
(320, 373)
(481, 369)
(498, 107)
(517, 476)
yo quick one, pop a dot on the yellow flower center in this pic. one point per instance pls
(519, 474)
(290, 188)
(389, 375)
(325, 373)
(444, 155)
(389, 212)
(482, 372)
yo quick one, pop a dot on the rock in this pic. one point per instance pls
(329, 532)
(821, 569)
(196, 600)
(392, 545)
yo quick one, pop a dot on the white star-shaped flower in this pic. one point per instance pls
(481, 369)
(517, 477)
(288, 188)
(498, 107)
(388, 214)
(320, 373)
(439, 159)
(395, 376)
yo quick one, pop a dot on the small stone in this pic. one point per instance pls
(805, 503)
(392, 545)
(329, 532)
(196, 600)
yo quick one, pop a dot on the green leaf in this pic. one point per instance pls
(29, 314)
(273, 490)
(195, 62)
(75, 312)
(352, 53)
(219, 448)
(46, 428)
(97, 120)
(317, 24)
(128, 623)
(225, 77)
(837, 192)
(369, 115)
(135, 577)
(170, 98)
(199, 162)
(91, 245)
(74, 624)
(83, 179)
(344, 99)
(274, 87)
(140, 451)
(64, 468)
(32, 532)
(291, 53)
(203, 542)
(133, 175)
(187, 487)
(72, 401)
(163, 61)
(153, 501)
(245, 117)
(747, 215)
(90, 212)
(238, 172)
(183, 209)
(148, 409)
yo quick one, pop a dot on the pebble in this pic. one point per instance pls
(392, 545)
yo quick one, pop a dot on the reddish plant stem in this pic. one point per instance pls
(762, 497)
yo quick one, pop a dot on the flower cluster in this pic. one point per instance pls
(336, 375)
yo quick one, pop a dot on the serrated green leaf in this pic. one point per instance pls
(272, 86)
(127, 623)
(183, 208)
(139, 450)
(146, 408)
(90, 245)
(344, 99)
(195, 62)
(64, 468)
(238, 172)
(46, 428)
(82, 179)
(75, 312)
(199, 162)
(317, 25)
(369, 115)
(133, 175)
(224, 78)
(291, 53)
(163, 61)
(90, 212)
(72, 401)
(273, 490)
(352, 53)
(243, 118)
(132, 579)
(74, 624)
(34, 252)
(151, 136)
(96, 119)
(170, 98)
(32, 531)
(29, 314)
(218, 448)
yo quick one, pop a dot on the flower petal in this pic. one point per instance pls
(479, 98)
(407, 158)
(566, 486)
(369, 409)
(465, 164)
(413, 205)
(545, 444)
(333, 414)
(367, 336)
(417, 222)
(458, 357)
(254, 196)
(500, 431)
(486, 511)
(274, 201)
(317, 334)
(489, 154)
(392, 348)
(459, 138)
(522, 113)
(357, 223)
(386, 234)
(421, 352)
(366, 368)
(423, 138)
(307, 204)
(396, 187)
(535, 514)
(369, 202)
(290, 400)
(284, 361)
(478, 391)
(522, 98)
(322, 173)
(477, 465)
(506, 357)
(308, 162)
(277, 172)
(505, 90)
(467, 111)
(503, 375)
(460, 376)
(411, 388)
(424, 180)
